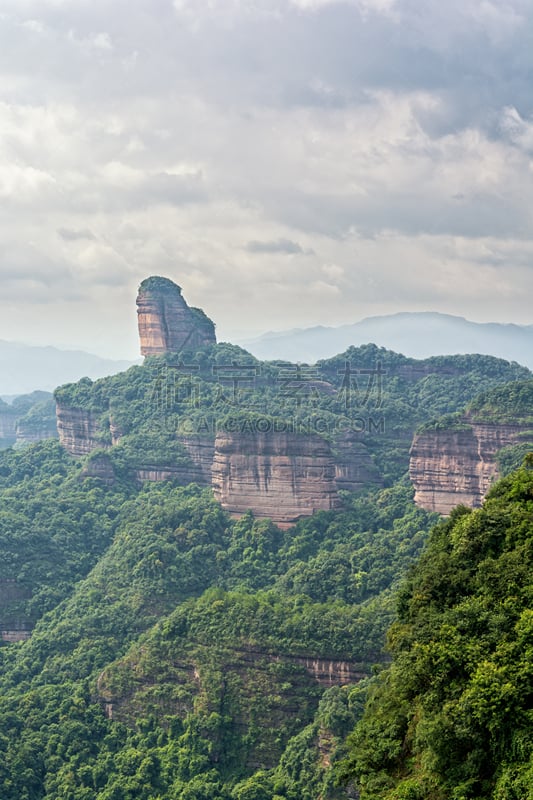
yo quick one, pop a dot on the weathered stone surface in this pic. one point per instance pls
(354, 467)
(78, 430)
(283, 476)
(200, 450)
(29, 433)
(458, 466)
(248, 676)
(166, 323)
(100, 466)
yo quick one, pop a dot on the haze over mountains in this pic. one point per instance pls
(417, 334)
(25, 368)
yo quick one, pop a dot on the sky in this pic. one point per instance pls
(288, 163)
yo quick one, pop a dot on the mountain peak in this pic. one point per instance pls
(166, 323)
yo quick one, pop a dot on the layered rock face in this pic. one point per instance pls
(77, 429)
(354, 467)
(100, 467)
(29, 433)
(279, 475)
(250, 679)
(201, 451)
(458, 465)
(166, 323)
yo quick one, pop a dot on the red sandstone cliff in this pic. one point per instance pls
(454, 466)
(78, 430)
(279, 475)
(354, 466)
(166, 323)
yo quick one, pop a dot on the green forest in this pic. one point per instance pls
(173, 652)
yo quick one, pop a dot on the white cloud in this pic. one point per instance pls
(286, 161)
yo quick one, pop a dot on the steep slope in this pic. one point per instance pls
(29, 418)
(202, 652)
(219, 417)
(166, 323)
(455, 460)
(451, 718)
(282, 476)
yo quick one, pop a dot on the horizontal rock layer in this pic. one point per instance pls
(458, 465)
(354, 466)
(166, 323)
(78, 430)
(31, 433)
(247, 676)
(279, 475)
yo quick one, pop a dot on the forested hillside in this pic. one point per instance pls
(379, 396)
(451, 719)
(201, 655)
(156, 647)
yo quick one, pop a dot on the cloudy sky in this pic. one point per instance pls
(287, 162)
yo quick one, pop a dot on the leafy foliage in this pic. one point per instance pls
(451, 718)
(380, 395)
(199, 632)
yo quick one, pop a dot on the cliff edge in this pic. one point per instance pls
(166, 323)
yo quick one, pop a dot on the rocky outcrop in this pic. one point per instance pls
(457, 465)
(354, 467)
(78, 429)
(283, 476)
(284, 689)
(166, 323)
(30, 432)
(200, 450)
(100, 467)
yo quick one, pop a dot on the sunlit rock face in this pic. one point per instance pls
(283, 476)
(78, 429)
(457, 466)
(166, 323)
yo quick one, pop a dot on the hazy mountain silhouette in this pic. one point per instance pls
(419, 334)
(24, 368)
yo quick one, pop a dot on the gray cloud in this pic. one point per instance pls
(286, 246)
(75, 236)
(143, 136)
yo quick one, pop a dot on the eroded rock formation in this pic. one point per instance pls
(166, 323)
(29, 432)
(250, 677)
(354, 466)
(279, 475)
(454, 466)
(200, 449)
(78, 430)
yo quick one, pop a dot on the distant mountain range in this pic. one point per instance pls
(419, 335)
(25, 368)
